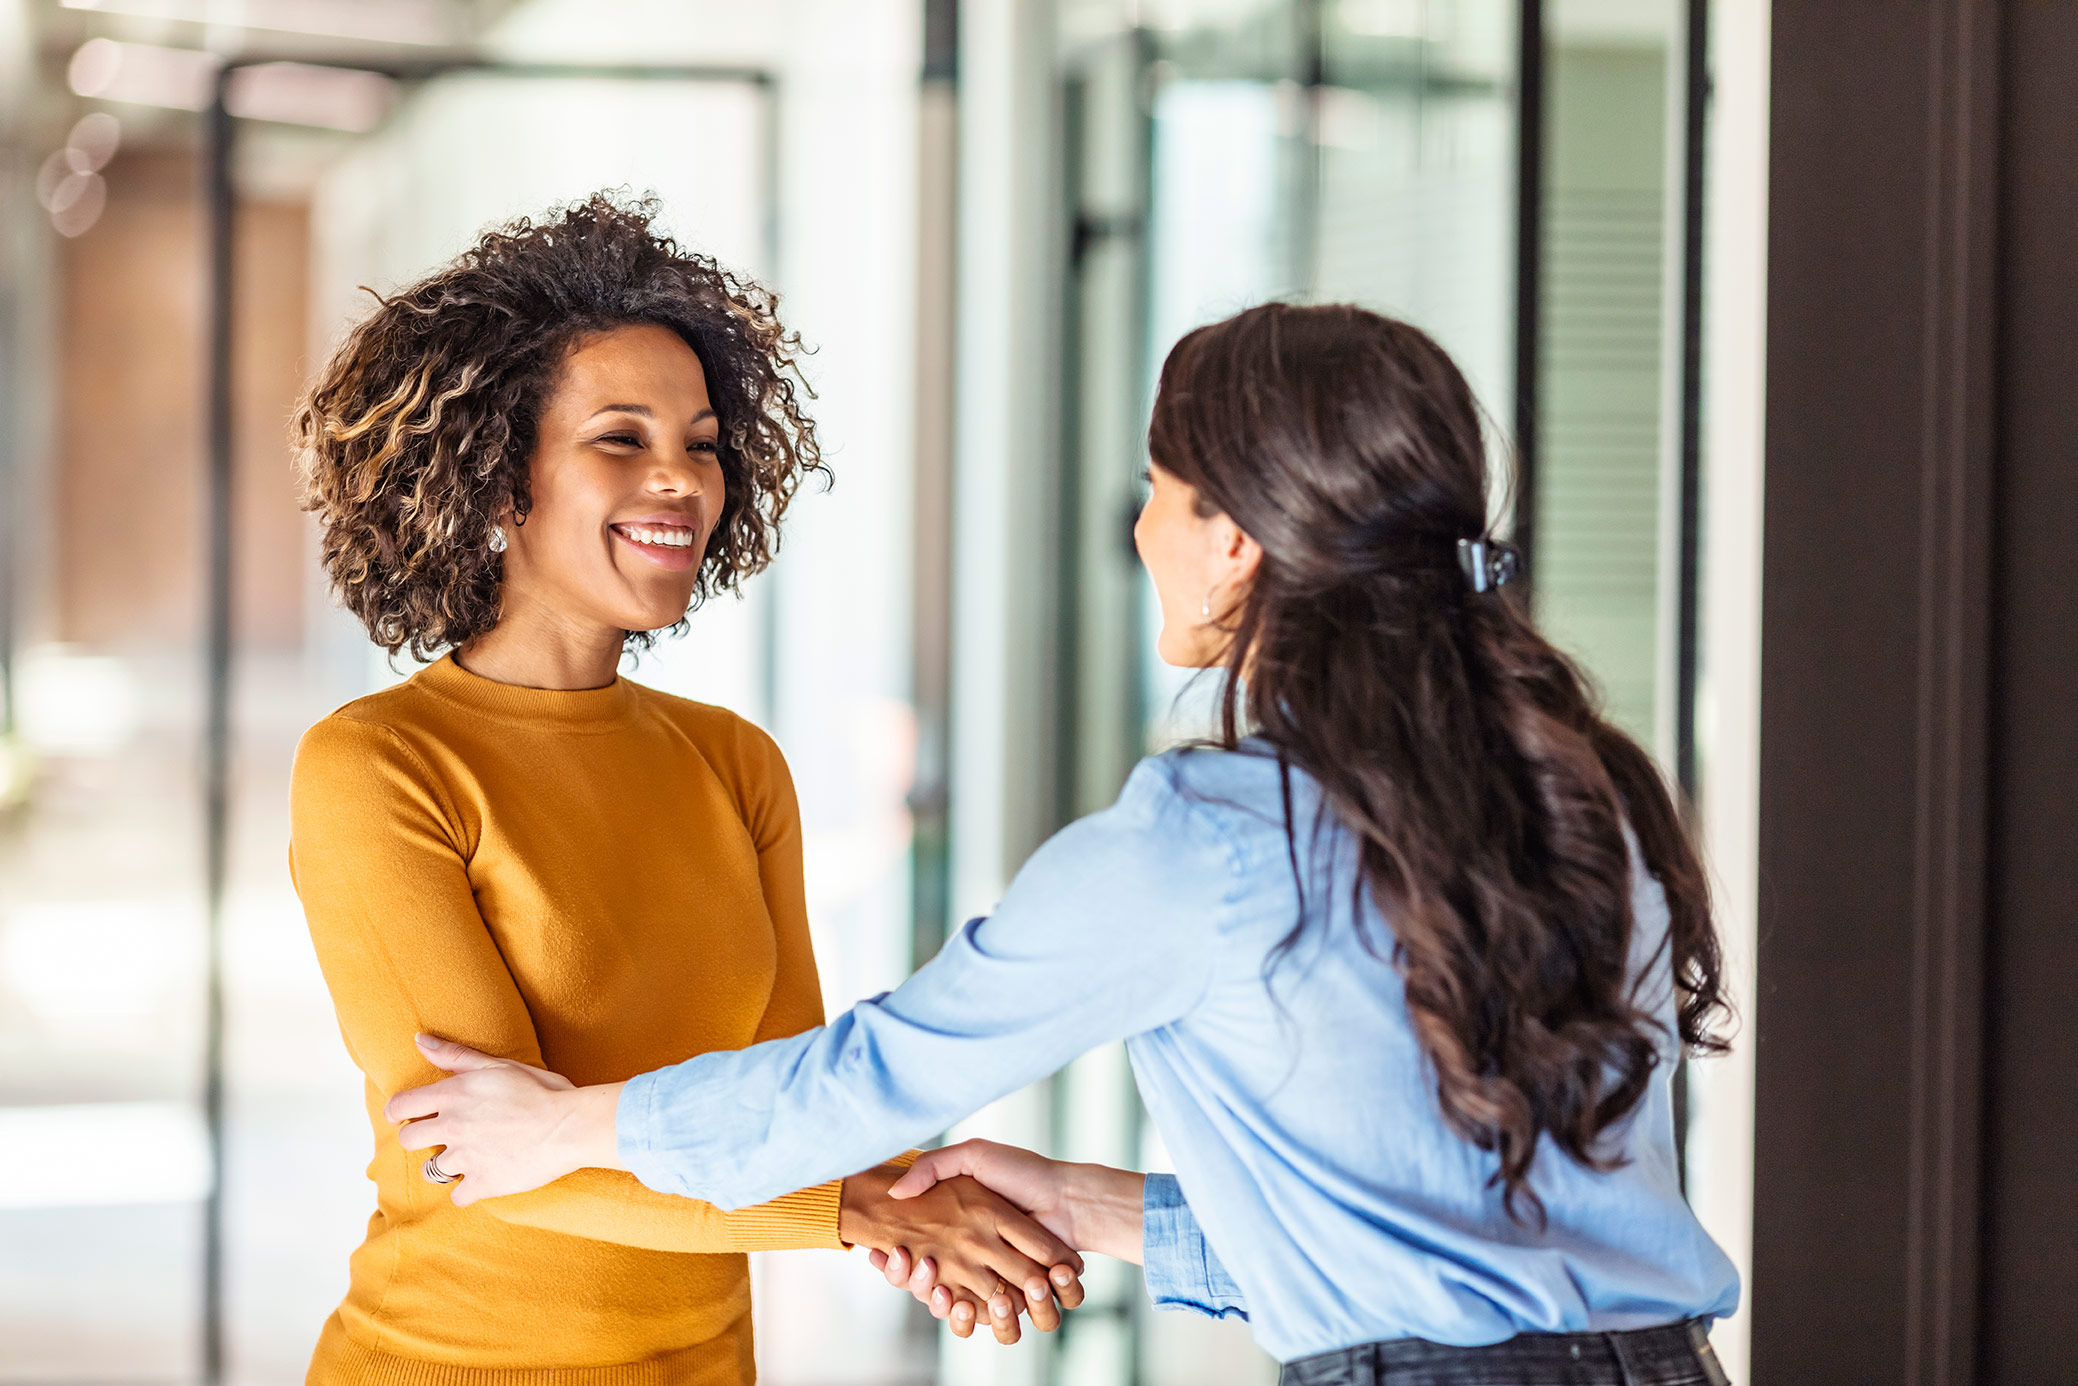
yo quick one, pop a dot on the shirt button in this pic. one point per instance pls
(1576, 1352)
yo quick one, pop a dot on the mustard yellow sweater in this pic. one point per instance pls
(600, 882)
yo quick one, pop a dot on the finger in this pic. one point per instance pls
(417, 1102)
(940, 1301)
(1067, 1286)
(423, 1135)
(1046, 1315)
(1003, 1319)
(455, 1058)
(962, 1319)
(923, 1277)
(878, 1258)
(930, 1167)
(1016, 1272)
(1036, 1242)
(895, 1265)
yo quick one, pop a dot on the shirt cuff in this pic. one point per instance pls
(1182, 1270)
(632, 1136)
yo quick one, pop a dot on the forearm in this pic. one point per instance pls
(735, 1127)
(610, 1206)
(591, 1202)
(584, 1135)
(1100, 1209)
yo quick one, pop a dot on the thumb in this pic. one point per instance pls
(455, 1058)
(930, 1167)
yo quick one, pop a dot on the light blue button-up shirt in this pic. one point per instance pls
(1318, 1190)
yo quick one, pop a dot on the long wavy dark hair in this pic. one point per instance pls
(1464, 751)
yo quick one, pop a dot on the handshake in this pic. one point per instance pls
(981, 1231)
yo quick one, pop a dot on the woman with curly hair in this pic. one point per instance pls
(1405, 958)
(526, 464)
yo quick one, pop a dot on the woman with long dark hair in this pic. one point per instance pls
(1405, 959)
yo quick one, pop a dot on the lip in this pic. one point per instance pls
(673, 560)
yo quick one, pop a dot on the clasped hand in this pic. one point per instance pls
(967, 1250)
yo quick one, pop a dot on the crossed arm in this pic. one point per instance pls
(519, 1125)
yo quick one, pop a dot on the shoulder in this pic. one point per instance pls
(360, 766)
(1241, 800)
(1188, 819)
(739, 750)
(384, 750)
(367, 731)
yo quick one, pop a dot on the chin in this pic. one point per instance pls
(654, 624)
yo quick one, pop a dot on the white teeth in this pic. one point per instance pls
(662, 538)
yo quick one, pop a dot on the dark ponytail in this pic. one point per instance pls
(1459, 745)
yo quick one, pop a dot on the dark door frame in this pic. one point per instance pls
(1913, 1209)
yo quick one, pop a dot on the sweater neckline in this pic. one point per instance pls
(573, 709)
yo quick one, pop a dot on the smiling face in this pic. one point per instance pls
(626, 482)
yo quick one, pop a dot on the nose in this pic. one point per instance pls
(674, 474)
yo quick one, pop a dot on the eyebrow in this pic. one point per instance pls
(646, 412)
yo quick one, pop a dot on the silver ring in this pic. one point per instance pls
(434, 1173)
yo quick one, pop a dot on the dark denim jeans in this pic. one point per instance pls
(1677, 1354)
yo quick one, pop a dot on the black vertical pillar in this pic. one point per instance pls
(1529, 269)
(1688, 580)
(216, 737)
(932, 555)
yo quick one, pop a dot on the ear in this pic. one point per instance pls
(1239, 554)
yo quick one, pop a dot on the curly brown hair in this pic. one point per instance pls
(415, 440)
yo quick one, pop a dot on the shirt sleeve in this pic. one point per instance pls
(1182, 1269)
(1105, 933)
(378, 856)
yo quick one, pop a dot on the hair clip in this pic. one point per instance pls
(1488, 565)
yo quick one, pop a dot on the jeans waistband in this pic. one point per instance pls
(1675, 1354)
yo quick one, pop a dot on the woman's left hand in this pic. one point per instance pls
(505, 1127)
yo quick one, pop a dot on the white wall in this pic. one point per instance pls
(1720, 1135)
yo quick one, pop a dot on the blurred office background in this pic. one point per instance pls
(990, 218)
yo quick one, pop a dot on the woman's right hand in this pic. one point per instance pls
(1089, 1207)
(995, 1262)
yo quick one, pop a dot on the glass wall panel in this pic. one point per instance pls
(1605, 415)
(1417, 134)
(1356, 151)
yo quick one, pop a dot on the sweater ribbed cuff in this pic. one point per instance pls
(803, 1218)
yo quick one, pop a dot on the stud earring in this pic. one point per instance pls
(1205, 607)
(498, 540)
